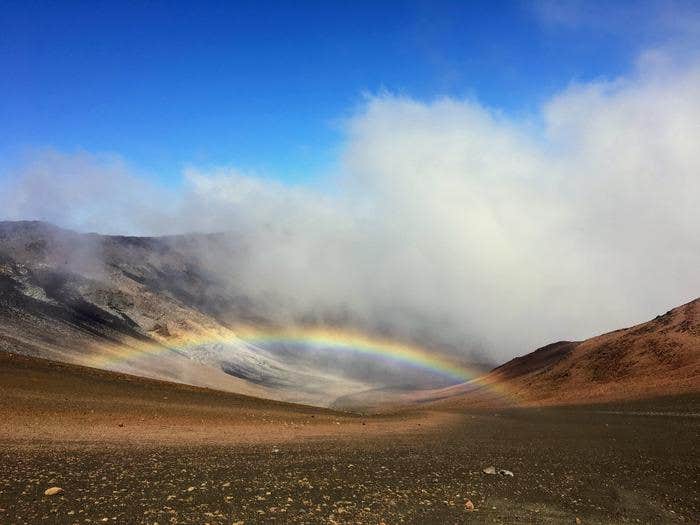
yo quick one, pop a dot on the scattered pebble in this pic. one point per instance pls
(53, 491)
(501, 472)
(413, 479)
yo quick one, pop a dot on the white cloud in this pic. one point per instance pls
(452, 224)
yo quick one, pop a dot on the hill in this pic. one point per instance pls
(149, 306)
(141, 305)
(656, 358)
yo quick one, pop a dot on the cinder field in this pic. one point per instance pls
(130, 450)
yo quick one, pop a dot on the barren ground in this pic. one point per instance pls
(128, 450)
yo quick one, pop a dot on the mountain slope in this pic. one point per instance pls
(47, 400)
(154, 307)
(656, 358)
(136, 305)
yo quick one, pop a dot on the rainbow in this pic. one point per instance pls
(358, 343)
(330, 339)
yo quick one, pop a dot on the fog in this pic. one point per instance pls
(444, 222)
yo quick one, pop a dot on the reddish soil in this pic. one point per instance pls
(657, 358)
(132, 450)
(50, 401)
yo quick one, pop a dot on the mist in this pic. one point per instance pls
(443, 222)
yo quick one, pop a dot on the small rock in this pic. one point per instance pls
(490, 470)
(578, 520)
(190, 489)
(469, 505)
(504, 472)
(52, 491)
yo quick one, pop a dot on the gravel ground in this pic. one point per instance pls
(567, 463)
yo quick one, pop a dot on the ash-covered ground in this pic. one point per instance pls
(598, 465)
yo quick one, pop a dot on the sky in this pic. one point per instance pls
(473, 176)
(265, 86)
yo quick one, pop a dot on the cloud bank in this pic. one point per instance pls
(447, 222)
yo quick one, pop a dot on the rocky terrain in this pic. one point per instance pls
(123, 449)
(71, 297)
(160, 308)
(656, 358)
(137, 304)
(108, 406)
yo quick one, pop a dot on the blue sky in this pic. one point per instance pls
(591, 157)
(264, 86)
